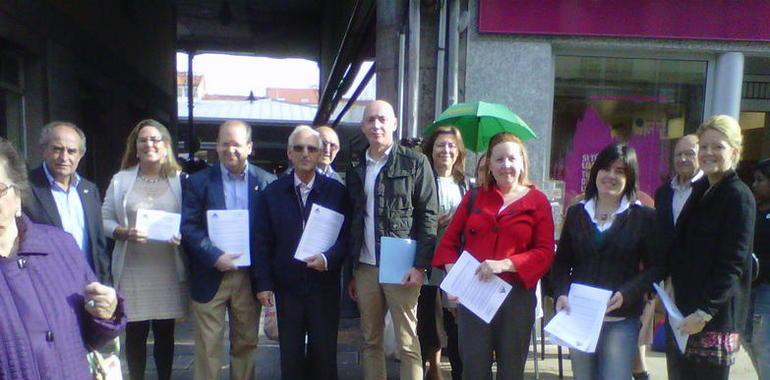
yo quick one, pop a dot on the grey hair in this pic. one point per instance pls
(302, 128)
(45, 134)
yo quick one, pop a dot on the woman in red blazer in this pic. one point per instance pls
(509, 228)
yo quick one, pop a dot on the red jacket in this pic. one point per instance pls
(523, 233)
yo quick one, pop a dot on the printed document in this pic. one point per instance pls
(229, 231)
(158, 225)
(483, 298)
(396, 259)
(674, 317)
(581, 327)
(321, 232)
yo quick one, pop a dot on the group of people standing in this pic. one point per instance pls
(700, 238)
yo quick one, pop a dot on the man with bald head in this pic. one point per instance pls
(331, 146)
(218, 284)
(393, 194)
(673, 196)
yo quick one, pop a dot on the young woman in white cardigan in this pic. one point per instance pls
(150, 274)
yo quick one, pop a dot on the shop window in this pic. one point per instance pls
(645, 103)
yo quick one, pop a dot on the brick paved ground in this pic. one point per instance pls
(268, 359)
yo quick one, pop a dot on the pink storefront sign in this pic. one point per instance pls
(727, 20)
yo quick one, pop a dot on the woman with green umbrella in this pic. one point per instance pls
(446, 154)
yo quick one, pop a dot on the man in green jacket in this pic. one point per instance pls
(393, 194)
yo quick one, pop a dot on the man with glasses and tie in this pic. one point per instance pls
(306, 292)
(59, 196)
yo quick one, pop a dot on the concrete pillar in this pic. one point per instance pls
(389, 23)
(728, 82)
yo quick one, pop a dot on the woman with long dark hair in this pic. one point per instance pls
(608, 242)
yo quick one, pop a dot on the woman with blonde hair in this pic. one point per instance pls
(710, 261)
(506, 224)
(150, 274)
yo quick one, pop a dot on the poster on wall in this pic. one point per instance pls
(592, 134)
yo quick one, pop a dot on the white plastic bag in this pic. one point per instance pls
(389, 339)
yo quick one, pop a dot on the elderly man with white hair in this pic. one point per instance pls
(306, 292)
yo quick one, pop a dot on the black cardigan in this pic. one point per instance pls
(710, 262)
(616, 262)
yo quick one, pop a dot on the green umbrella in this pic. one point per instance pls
(479, 121)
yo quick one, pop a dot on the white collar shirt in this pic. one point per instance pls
(373, 168)
(681, 194)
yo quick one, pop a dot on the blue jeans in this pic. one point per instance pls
(614, 355)
(757, 336)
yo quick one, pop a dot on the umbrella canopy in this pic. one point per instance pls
(479, 121)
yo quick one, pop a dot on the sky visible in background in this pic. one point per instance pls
(239, 74)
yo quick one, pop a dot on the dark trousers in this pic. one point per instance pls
(507, 335)
(427, 328)
(681, 368)
(163, 349)
(452, 348)
(317, 316)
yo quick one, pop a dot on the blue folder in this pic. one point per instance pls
(396, 258)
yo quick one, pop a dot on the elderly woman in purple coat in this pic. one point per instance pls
(52, 309)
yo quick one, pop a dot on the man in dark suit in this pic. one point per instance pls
(671, 197)
(306, 291)
(218, 284)
(670, 200)
(59, 197)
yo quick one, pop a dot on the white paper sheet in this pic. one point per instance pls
(674, 317)
(321, 232)
(581, 327)
(483, 298)
(229, 231)
(158, 225)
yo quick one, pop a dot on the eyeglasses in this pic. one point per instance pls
(300, 148)
(447, 145)
(687, 154)
(4, 189)
(331, 145)
(151, 139)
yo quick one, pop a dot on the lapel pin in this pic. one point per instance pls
(85, 191)
(256, 188)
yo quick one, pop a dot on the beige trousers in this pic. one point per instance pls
(374, 300)
(235, 296)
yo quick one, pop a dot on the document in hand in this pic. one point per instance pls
(581, 327)
(159, 225)
(321, 232)
(483, 298)
(674, 317)
(229, 231)
(396, 258)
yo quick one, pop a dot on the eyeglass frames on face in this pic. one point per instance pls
(299, 148)
(330, 144)
(447, 145)
(151, 139)
(4, 189)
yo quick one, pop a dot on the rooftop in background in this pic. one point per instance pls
(261, 111)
